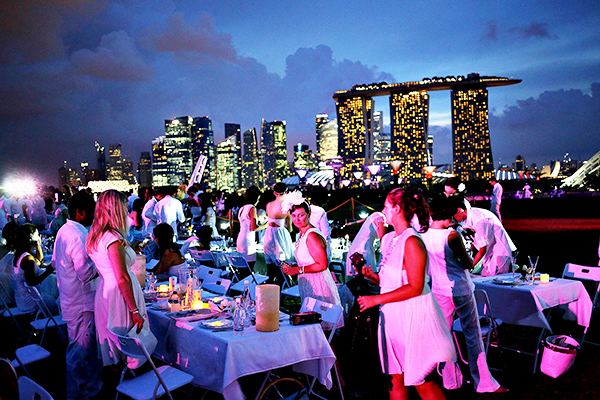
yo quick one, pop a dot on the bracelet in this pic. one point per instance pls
(135, 310)
(300, 270)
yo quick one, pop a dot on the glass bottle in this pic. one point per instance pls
(238, 315)
(247, 304)
(174, 301)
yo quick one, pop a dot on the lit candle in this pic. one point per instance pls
(163, 288)
(199, 304)
(544, 278)
(267, 308)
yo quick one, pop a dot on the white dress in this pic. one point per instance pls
(48, 289)
(318, 285)
(111, 311)
(246, 240)
(277, 244)
(364, 243)
(413, 335)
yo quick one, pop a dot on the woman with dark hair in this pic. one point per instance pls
(413, 336)
(7, 255)
(277, 242)
(170, 259)
(27, 271)
(314, 278)
(246, 240)
(208, 215)
(135, 221)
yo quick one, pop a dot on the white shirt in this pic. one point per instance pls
(318, 219)
(149, 218)
(497, 195)
(169, 210)
(74, 270)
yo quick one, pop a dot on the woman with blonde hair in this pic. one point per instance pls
(119, 303)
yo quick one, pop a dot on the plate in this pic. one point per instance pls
(161, 305)
(218, 324)
(190, 315)
(509, 280)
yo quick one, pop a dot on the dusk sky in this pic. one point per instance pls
(74, 72)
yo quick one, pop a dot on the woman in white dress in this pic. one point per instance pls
(119, 301)
(277, 243)
(246, 240)
(413, 335)
(364, 242)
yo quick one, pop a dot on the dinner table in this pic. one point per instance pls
(217, 358)
(525, 303)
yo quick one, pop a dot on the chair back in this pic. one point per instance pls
(329, 312)
(581, 272)
(484, 307)
(39, 301)
(8, 376)
(337, 267)
(216, 285)
(129, 346)
(29, 390)
(203, 271)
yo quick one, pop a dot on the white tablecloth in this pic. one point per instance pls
(524, 304)
(218, 359)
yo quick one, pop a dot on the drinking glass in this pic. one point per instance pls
(514, 265)
(533, 260)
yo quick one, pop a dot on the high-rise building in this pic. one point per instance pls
(178, 147)
(227, 156)
(160, 168)
(520, 164)
(354, 115)
(203, 139)
(472, 151)
(303, 157)
(382, 148)
(114, 172)
(101, 160)
(273, 147)
(430, 150)
(410, 112)
(145, 170)
(128, 170)
(251, 171)
(320, 120)
(234, 130)
(328, 142)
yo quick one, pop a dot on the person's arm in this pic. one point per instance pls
(252, 217)
(180, 214)
(83, 265)
(415, 261)
(168, 259)
(479, 255)
(458, 248)
(28, 265)
(116, 255)
(288, 222)
(316, 247)
(149, 211)
(380, 227)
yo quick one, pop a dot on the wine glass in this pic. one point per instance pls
(533, 260)
(514, 265)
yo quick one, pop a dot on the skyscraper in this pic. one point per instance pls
(228, 178)
(251, 171)
(303, 157)
(234, 130)
(470, 133)
(204, 143)
(320, 120)
(354, 115)
(101, 160)
(520, 164)
(128, 170)
(160, 168)
(430, 150)
(328, 142)
(145, 170)
(115, 163)
(273, 147)
(178, 147)
(410, 112)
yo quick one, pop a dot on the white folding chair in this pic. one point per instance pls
(11, 312)
(27, 355)
(329, 313)
(48, 320)
(252, 284)
(204, 271)
(216, 285)
(583, 273)
(203, 257)
(29, 390)
(339, 269)
(489, 324)
(150, 385)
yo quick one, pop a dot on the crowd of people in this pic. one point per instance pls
(423, 270)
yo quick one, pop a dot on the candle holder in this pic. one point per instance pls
(544, 278)
(267, 308)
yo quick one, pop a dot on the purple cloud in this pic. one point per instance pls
(491, 32)
(534, 29)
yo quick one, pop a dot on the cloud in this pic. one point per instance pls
(533, 30)
(116, 59)
(491, 32)
(198, 42)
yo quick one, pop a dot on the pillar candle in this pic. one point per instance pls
(267, 308)
(544, 278)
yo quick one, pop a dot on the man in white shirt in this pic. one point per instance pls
(149, 219)
(496, 197)
(169, 210)
(75, 271)
(494, 246)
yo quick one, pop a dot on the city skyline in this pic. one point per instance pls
(111, 71)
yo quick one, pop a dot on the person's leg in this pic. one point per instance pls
(466, 308)
(430, 391)
(84, 368)
(397, 389)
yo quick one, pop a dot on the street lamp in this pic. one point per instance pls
(357, 174)
(395, 164)
(301, 175)
(428, 171)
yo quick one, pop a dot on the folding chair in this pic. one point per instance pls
(29, 390)
(489, 324)
(583, 273)
(203, 271)
(28, 355)
(216, 285)
(329, 313)
(151, 385)
(239, 287)
(338, 268)
(8, 376)
(48, 320)
(203, 257)
(11, 312)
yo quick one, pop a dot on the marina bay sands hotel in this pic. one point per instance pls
(409, 114)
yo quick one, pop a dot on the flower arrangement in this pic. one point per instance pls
(290, 199)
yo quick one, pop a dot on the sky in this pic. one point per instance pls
(73, 72)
